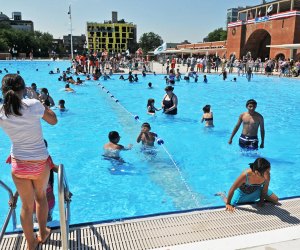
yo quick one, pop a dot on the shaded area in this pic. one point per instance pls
(257, 43)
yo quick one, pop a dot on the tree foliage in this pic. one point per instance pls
(149, 41)
(217, 35)
(25, 41)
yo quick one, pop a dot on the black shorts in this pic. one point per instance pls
(248, 142)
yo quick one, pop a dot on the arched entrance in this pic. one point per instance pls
(257, 44)
(280, 56)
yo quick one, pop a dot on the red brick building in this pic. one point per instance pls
(269, 30)
(273, 23)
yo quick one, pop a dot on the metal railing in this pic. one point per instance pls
(12, 212)
(64, 198)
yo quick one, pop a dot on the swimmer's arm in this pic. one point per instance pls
(138, 140)
(238, 182)
(126, 148)
(236, 128)
(262, 132)
(263, 193)
(162, 102)
(49, 116)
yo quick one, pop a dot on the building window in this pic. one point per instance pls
(123, 29)
(111, 40)
(124, 35)
(103, 40)
(109, 34)
(123, 40)
(118, 40)
(117, 28)
(110, 46)
(117, 34)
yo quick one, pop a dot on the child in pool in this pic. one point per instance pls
(146, 137)
(150, 107)
(251, 186)
(112, 148)
(61, 105)
(207, 116)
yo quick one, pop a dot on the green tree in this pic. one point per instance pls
(25, 41)
(149, 41)
(217, 35)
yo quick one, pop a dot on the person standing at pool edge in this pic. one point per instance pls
(170, 101)
(251, 121)
(20, 119)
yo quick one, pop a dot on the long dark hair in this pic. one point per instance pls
(261, 165)
(12, 103)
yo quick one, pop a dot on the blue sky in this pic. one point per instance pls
(174, 20)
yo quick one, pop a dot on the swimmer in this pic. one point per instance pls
(150, 85)
(18, 72)
(150, 107)
(112, 148)
(234, 79)
(105, 76)
(121, 77)
(205, 79)
(130, 77)
(136, 79)
(208, 116)
(146, 137)
(45, 98)
(251, 120)
(61, 105)
(166, 79)
(224, 73)
(251, 186)
(68, 89)
(154, 73)
(79, 81)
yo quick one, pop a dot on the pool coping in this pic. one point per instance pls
(191, 229)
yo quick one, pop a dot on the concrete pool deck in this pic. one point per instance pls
(249, 227)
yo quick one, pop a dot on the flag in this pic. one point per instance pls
(69, 12)
(160, 49)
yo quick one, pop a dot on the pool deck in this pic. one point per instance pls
(249, 227)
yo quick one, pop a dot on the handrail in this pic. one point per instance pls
(13, 198)
(64, 196)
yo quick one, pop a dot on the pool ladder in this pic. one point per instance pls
(64, 200)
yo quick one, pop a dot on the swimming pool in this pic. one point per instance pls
(206, 164)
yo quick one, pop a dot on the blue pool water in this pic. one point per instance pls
(203, 164)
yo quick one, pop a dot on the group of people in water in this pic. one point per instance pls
(20, 117)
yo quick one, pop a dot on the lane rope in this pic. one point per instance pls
(159, 141)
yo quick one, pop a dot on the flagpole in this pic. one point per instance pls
(70, 13)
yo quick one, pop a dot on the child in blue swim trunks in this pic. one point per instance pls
(251, 186)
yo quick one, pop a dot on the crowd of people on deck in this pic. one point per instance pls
(23, 108)
(209, 64)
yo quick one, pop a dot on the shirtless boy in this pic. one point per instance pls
(147, 137)
(251, 120)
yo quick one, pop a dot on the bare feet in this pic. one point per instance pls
(43, 236)
(222, 195)
(34, 245)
